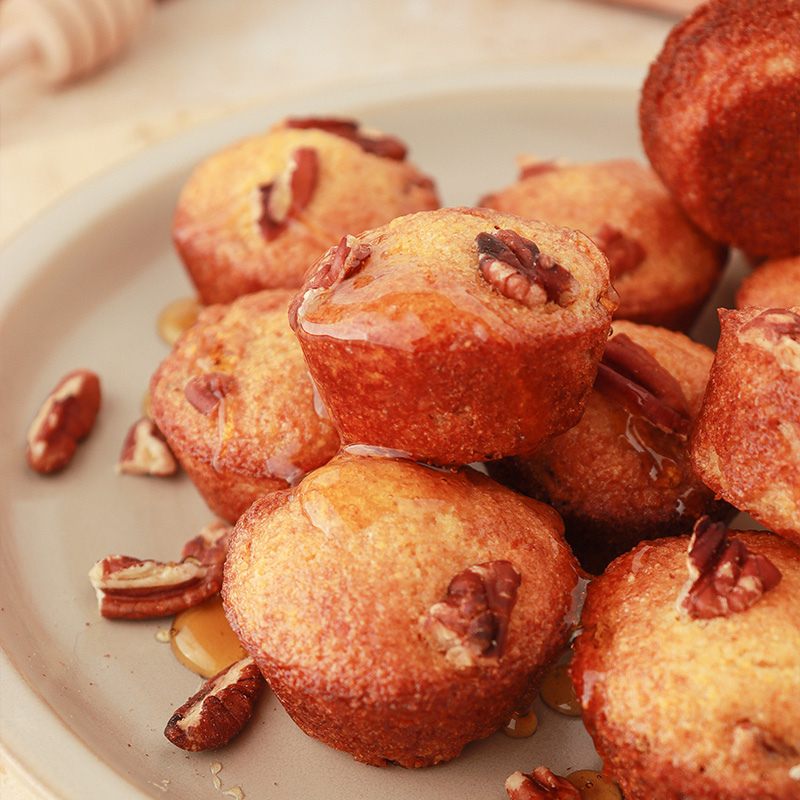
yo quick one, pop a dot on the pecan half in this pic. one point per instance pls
(205, 391)
(132, 588)
(624, 253)
(724, 575)
(376, 143)
(219, 711)
(516, 268)
(541, 784)
(472, 620)
(286, 196)
(145, 451)
(64, 419)
(776, 323)
(632, 377)
(530, 167)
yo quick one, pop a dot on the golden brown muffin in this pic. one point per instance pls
(746, 443)
(257, 214)
(236, 405)
(688, 669)
(622, 474)
(720, 125)
(398, 611)
(661, 265)
(455, 335)
(773, 284)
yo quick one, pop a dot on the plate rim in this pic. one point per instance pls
(30, 725)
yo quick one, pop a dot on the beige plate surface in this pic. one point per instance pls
(84, 701)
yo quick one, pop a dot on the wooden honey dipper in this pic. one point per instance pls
(67, 39)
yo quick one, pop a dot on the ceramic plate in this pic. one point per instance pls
(85, 700)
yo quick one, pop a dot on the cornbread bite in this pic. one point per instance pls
(719, 122)
(455, 335)
(662, 266)
(399, 611)
(235, 403)
(623, 474)
(688, 667)
(258, 213)
(773, 284)
(746, 443)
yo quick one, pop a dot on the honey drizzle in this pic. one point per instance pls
(202, 640)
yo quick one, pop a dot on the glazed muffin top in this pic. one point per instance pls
(235, 392)
(660, 262)
(259, 212)
(438, 276)
(349, 564)
(714, 697)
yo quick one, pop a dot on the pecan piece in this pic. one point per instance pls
(376, 143)
(517, 269)
(631, 376)
(624, 253)
(145, 451)
(724, 575)
(132, 588)
(541, 784)
(205, 391)
(472, 620)
(219, 711)
(289, 193)
(776, 323)
(65, 418)
(342, 261)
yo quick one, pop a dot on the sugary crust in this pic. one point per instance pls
(327, 586)
(614, 478)
(773, 284)
(680, 707)
(215, 226)
(268, 430)
(719, 122)
(680, 266)
(746, 444)
(419, 353)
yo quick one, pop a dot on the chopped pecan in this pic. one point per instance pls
(342, 261)
(541, 784)
(219, 711)
(378, 144)
(210, 546)
(66, 416)
(530, 167)
(724, 575)
(286, 196)
(145, 451)
(516, 268)
(131, 588)
(472, 621)
(631, 376)
(205, 391)
(624, 253)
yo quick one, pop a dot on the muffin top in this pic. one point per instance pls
(455, 274)
(235, 392)
(258, 213)
(773, 284)
(350, 563)
(714, 697)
